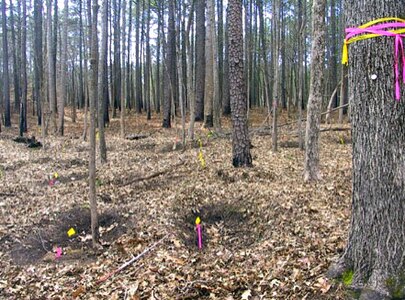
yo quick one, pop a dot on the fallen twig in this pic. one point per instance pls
(137, 136)
(131, 261)
(153, 175)
(335, 129)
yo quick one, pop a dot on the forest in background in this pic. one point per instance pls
(159, 56)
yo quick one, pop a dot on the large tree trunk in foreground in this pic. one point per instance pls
(376, 245)
(311, 165)
(240, 136)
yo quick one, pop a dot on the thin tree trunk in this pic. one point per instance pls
(226, 101)
(102, 69)
(209, 69)
(24, 82)
(92, 150)
(122, 98)
(38, 61)
(51, 71)
(264, 57)
(138, 95)
(200, 59)
(64, 74)
(343, 93)
(6, 83)
(190, 81)
(300, 70)
(16, 60)
(311, 165)
(276, 29)
(147, 68)
(216, 77)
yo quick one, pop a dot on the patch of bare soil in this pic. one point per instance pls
(223, 223)
(40, 244)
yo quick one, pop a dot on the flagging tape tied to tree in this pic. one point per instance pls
(391, 27)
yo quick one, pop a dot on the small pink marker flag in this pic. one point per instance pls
(58, 252)
(198, 227)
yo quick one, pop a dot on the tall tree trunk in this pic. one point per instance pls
(16, 60)
(102, 70)
(332, 61)
(216, 88)
(376, 244)
(240, 136)
(128, 62)
(276, 30)
(209, 69)
(64, 74)
(190, 77)
(93, 101)
(51, 70)
(158, 63)
(38, 61)
(226, 100)
(200, 59)
(81, 75)
(220, 6)
(311, 165)
(117, 54)
(6, 83)
(170, 67)
(300, 71)
(264, 57)
(180, 13)
(24, 82)
(73, 94)
(122, 98)
(138, 95)
(148, 67)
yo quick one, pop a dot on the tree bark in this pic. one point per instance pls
(6, 83)
(51, 70)
(38, 61)
(276, 30)
(240, 135)
(122, 70)
(16, 60)
(170, 68)
(209, 70)
(200, 59)
(24, 81)
(375, 251)
(226, 102)
(93, 101)
(311, 165)
(64, 74)
(102, 76)
(300, 71)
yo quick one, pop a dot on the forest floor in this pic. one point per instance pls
(266, 233)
